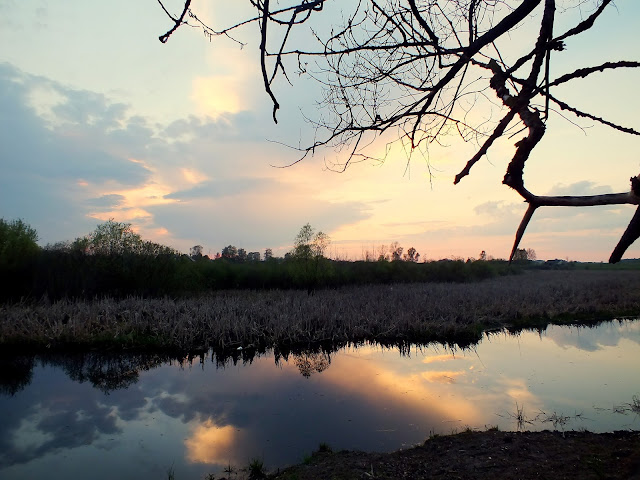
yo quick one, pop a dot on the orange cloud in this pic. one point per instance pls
(211, 444)
(442, 377)
(439, 358)
(380, 384)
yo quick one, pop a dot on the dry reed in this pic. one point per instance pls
(387, 314)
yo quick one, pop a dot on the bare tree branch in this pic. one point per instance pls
(415, 65)
(584, 72)
(178, 21)
(565, 106)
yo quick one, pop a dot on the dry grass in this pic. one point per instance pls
(388, 314)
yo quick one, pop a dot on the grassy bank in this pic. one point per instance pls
(291, 319)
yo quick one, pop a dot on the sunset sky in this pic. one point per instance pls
(100, 120)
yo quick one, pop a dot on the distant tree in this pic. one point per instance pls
(412, 255)
(17, 241)
(230, 252)
(242, 254)
(521, 254)
(310, 244)
(531, 254)
(253, 256)
(302, 242)
(113, 238)
(383, 255)
(310, 266)
(117, 238)
(396, 251)
(321, 242)
(268, 254)
(483, 255)
(154, 249)
(195, 252)
(369, 256)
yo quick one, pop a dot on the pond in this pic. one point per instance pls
(93, 416)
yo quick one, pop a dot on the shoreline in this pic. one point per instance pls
(485, 455)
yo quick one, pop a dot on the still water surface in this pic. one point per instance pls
(73, 417)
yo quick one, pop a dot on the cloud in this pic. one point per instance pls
(48, 424)
(584, 187)
(56, 144)
(222, 188)
(62, 142)
(106, 201)
(608, 334)
(255, 221)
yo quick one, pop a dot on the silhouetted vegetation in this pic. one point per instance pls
(55, 274)
(114, 261)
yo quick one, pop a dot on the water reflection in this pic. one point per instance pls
(105, 416)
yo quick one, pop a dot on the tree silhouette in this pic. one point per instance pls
(412, 66)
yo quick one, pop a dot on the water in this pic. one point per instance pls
(138, 417)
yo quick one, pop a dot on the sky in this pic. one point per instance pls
(100, 120)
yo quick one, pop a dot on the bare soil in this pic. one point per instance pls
(486, 455)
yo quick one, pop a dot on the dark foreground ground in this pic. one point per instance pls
(486, 455)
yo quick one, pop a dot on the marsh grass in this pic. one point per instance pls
(632, 407)
(253, 321)
(171, 474)
(520, 418)
(256, 469)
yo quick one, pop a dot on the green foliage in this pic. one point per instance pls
(230, 252)
(307, 264)
(118, 238)
(17, 242)
(310, 244)
(18, 253)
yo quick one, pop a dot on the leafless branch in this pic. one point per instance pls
(409, 65)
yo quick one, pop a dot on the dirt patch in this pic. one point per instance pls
(487, 455)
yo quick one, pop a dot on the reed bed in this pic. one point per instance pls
(403, 313)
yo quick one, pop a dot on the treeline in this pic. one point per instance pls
(114, 261)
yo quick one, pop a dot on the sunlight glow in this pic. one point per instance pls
(214, 96)
(442, 377)
(193, 176)
(211, 444)
(439, 358)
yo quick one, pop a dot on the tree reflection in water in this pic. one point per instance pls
(309, 363)
(16, 373)
(105, 371)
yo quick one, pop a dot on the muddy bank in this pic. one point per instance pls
(487, 455)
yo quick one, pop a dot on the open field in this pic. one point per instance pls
(292, 319)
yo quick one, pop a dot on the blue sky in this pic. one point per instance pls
(100, 120)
